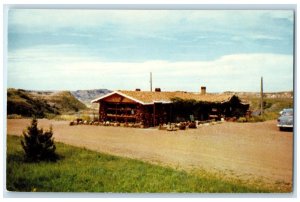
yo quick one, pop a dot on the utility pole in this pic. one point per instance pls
(150, 81)
(261, 97)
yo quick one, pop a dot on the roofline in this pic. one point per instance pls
(145, 103)
(103, 96)
(119, 93)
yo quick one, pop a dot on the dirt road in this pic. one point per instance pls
(243, 150)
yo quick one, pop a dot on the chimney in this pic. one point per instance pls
(203, 90)
(137, 89)
(157, 90)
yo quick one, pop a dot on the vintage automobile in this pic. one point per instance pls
(286, 120)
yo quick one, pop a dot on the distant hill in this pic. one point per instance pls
(273, 102)
(284, 94)
(86, 96)
(41, 103)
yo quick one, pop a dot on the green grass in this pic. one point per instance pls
(82, 170)
(272, 107)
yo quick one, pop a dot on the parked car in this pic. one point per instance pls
(286, 119)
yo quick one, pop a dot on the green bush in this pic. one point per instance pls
(242, 119)
(14, 116)
(86, 118)
(50, 116)
(65, 117)
(256, 119)
(268, 115)
(37, 144)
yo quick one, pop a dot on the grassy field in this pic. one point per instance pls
(272, 106)
(81, 170)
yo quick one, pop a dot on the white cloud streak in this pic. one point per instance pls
(44, 68)
(155, 20)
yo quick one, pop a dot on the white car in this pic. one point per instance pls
(286, 119)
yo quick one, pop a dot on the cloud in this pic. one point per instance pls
(172, 33)
(282, 14)
(45, 53)
(49, 20)
(257, 37)
(53, 20)
(116, 49)
(51, 69)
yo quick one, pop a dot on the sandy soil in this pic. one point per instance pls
(243, 150)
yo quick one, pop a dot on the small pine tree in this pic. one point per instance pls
(37, 144)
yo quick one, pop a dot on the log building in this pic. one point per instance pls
(157, 107)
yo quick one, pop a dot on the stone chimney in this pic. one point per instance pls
(157, 90)
(203, 90)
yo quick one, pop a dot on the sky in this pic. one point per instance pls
(224, 50)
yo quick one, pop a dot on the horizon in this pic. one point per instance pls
(49, 90)
(224, 50)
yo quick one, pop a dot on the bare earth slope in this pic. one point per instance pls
(244, 150)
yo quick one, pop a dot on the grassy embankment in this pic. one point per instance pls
(272, 106)
(82, 170)
(43, 104)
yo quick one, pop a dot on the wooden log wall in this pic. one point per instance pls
(102, 111)
(139, 114)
